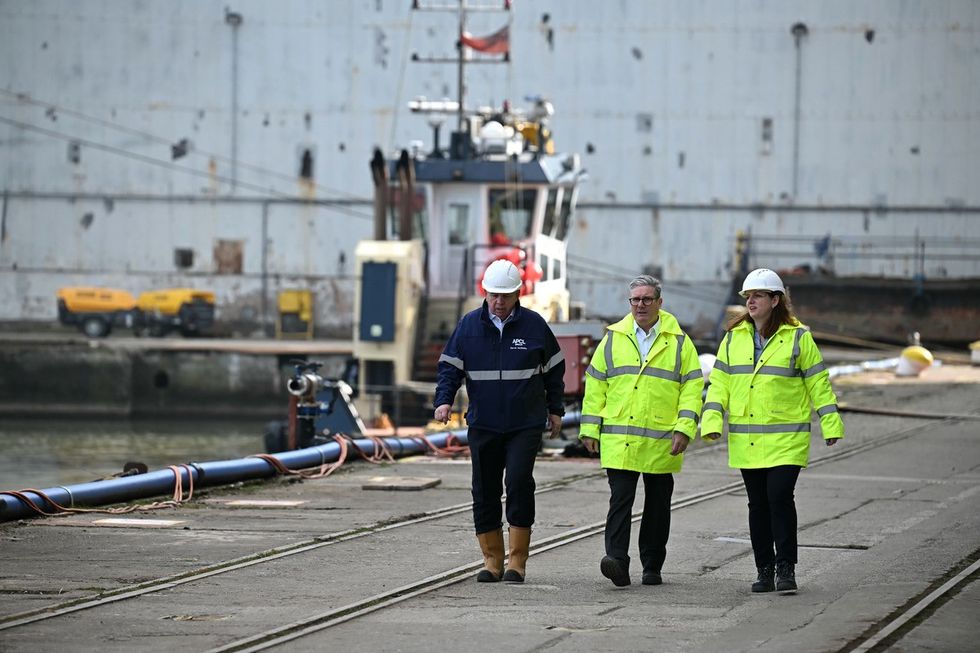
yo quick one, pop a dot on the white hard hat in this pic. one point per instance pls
(501, 277)
(762, 279)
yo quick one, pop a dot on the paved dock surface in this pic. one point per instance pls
(885, 518)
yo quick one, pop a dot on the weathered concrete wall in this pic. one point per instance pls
(669, 103)
(83, 380)
(64, 380)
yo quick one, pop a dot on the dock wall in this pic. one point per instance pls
(102, 380)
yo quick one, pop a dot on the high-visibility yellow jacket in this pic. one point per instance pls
(769, 401)
(633, 407)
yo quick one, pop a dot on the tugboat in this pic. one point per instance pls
(499, 190)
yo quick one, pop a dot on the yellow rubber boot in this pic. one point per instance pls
(492, 545)
(520, 542)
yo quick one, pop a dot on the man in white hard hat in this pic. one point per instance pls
(513, 369)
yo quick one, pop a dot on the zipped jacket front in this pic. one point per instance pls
(633, 406)
(513, 379)
(769, 401)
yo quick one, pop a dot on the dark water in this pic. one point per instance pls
(47, 453)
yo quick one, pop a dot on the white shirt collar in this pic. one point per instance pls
(497, 322)
(646, 340)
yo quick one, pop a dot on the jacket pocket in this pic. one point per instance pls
(786, 410)
(617, 398)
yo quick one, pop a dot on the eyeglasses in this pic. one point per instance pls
(646, 301)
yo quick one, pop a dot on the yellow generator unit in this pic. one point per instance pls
(96, 310)
(185, 309)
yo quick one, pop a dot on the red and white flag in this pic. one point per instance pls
(496, 43)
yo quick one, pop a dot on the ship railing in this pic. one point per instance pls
(917, 256)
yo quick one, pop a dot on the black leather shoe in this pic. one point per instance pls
(513, 576)
(652, 578)
(615, 570)
(765, 582)
(487, 576)
(785, 577)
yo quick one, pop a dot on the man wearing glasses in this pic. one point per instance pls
(642, 399)
(514, 374)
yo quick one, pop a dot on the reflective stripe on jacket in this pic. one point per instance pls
(514, 379)
(769, 401)
(633, 407)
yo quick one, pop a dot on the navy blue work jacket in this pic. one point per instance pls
(513, 379)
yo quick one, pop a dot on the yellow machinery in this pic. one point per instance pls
(96, 310)
(186, 309)
(295, 316)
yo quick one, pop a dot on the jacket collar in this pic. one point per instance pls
(749, 326)
(627, 326)
(485, 312)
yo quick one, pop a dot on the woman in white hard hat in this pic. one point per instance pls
(513, 369)
(767, 375)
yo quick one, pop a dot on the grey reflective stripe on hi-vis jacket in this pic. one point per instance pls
(771, 370)
(609, 429)
(655, 372)
(769, 428)
(712, 405)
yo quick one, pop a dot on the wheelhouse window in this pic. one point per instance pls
(418, 212)
(511, 212)
(459, 224)
(565, 216)
(551, 209)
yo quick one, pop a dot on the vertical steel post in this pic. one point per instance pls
(799, 31)
(234, 20)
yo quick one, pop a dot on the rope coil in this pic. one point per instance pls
(178, 498)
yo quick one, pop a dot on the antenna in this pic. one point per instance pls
(496, 43)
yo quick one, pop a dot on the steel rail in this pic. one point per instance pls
(319, 622)
(899, 621)
(337, 616)
(169, 582)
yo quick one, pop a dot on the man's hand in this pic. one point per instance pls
(442, 413)
(711, 436)
(679, 443)
(555, 422)
(591, 445)
(832, 441)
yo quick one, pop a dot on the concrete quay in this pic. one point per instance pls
(67, 374)
(885, 518)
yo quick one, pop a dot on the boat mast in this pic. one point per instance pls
(462, 8)
(460, 88)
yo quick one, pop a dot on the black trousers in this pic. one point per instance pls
(772, 513)
(654, 525)
(492, 455)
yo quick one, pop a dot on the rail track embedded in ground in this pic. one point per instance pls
(330, 618)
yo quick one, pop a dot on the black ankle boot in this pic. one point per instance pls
(785, 577)
(765, 583)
